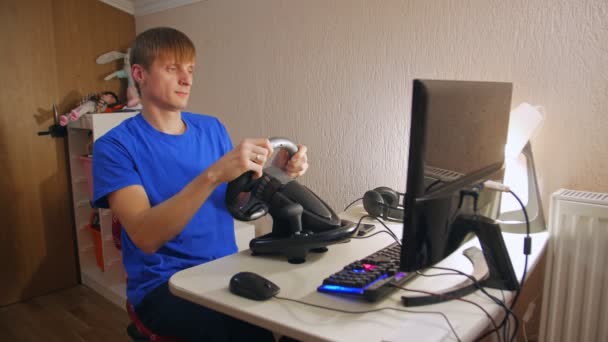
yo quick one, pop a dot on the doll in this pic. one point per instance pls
(105, 102)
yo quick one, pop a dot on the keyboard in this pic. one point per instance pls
(371, 278)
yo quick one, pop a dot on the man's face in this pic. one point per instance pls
(166, 84)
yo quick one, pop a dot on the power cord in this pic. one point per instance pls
(505, 324)
(508, 324)
(454, 298)
(435, 182)
(527, 251)
(492, 185)
(456, 272)
(491, 297)
(474, 193)
(373, 234)
(388, 230)
(351, 203)
(375, 310)
(479, 287)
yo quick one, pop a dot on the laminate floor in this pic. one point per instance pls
(74, 314)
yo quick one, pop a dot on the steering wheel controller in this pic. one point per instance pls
(302, 221)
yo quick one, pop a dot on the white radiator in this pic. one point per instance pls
(575, 298)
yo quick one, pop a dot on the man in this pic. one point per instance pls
(163, 173)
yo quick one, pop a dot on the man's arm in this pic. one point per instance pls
(151, 227)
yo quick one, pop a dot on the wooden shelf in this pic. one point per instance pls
(111, 282)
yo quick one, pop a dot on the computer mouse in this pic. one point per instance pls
(253, 286)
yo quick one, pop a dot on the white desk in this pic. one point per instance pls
(207, 285)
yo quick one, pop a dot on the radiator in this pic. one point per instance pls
(575, 298)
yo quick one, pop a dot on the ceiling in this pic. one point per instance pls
(144, 7)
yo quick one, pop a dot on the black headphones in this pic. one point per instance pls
(383, 202)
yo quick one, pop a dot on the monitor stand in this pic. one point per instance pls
(493, 270)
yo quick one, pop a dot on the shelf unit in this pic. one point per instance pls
(111, 281)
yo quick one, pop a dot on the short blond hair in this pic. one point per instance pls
(164, 42)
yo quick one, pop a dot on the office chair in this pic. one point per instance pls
(139, 333)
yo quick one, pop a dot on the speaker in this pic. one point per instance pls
(383, 202)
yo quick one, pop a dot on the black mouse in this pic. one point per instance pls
(253, 286)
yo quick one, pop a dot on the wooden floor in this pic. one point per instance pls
(75, 314)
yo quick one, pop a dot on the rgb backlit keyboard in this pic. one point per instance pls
(371, 278)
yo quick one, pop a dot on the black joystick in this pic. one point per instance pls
(287, 219)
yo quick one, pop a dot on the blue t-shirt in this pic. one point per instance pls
(135, 153)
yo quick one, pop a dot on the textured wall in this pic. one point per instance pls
(336, 76)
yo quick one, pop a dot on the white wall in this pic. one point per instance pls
(336, 75)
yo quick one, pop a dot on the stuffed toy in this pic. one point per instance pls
(105, 102)
(133, 101)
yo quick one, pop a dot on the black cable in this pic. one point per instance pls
(478, 286)
(508, 324)
(351, 203)
(435, 182)
(474, 193)
(435, 274)
(527, 247)
(505, 324)
(476, 283)
(388, 230)
(375, 310)
(484, 291)
(527, 250)
(454, 298)
(373, 234)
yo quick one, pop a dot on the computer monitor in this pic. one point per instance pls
(458, 133)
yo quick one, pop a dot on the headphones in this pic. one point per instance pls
(383, 202)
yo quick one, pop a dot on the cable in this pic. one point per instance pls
(478, 286)
(505, 324)
(483, 290)
(351, 203)
(386, 227)
(496, 300)
(456, 272)
(375, 310)
(373, 234)
(475, 282)
(508, 324)
(454, 298)
(435, 182)
(388, 230)
(527, 249)
(434, 275)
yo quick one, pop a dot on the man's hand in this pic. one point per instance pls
(249, 155)
(298, 164)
